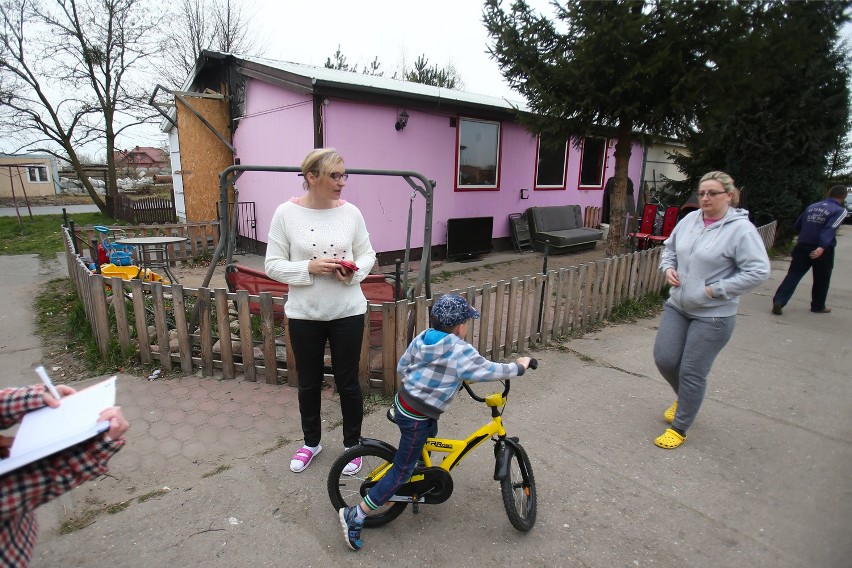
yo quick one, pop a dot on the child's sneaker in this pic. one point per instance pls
(351, 527)
(353, 467)
(303, 458)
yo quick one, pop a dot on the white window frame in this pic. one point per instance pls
(34, 173)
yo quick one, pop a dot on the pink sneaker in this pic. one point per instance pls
(352, 467)
(302, 458)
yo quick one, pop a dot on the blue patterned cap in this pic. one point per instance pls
(450, 310)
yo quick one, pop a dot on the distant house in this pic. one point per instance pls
(145, 157)
(35, 175)
(272, 113)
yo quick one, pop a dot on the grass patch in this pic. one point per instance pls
(632, 310)
(375, 402)
(116, 508)
(282, 441)
(216, 471)
(42, 235)
(79, 522)
(152, 495)
(69, 341)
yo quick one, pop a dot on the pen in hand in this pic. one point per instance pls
(42, 374)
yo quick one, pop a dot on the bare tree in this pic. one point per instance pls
(197, 25)
(65, 69)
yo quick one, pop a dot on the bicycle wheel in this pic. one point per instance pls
(518, 489)
(348, 490)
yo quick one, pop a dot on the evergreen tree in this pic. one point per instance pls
(606, 67)
(426, 74)
(776, 109)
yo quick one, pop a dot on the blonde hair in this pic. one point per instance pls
(319, 162)
(727, 184)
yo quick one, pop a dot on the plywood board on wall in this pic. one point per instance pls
(202, 155)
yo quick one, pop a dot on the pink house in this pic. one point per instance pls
(484, 163)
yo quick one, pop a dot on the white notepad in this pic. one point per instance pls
(48, 430)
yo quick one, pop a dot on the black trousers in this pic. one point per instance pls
(799, 266)
(344, 337)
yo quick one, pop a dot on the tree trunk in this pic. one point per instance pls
(84, 179)
(623, 146)
(112, 177)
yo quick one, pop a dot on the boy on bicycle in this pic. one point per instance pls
(432, 369)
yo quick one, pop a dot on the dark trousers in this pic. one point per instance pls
(799, 266)
(344, 337)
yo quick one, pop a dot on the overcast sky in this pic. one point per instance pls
(445, 31)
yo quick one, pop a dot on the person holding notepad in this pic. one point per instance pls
(24, 489)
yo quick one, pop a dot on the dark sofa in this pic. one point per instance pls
(562, 225)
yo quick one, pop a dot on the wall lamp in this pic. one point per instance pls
(401, 121)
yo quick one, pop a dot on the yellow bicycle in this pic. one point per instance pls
(432, 484)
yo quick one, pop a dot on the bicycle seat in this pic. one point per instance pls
(391, 414)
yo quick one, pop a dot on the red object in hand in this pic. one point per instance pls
(348, 266)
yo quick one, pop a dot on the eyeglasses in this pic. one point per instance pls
(710, 193)
(337, 177)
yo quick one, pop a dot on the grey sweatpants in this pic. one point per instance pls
(684, 351)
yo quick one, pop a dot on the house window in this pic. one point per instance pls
(550, 166)
(37, 174)
(593, 163)
(478, 155)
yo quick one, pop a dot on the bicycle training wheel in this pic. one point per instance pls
(518, 489)
(348, 490)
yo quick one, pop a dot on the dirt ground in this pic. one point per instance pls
(446, 276)
(36, 201)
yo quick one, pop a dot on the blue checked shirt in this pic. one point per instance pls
(434, 366)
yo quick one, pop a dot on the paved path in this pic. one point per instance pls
(48, 210)
(763, 479)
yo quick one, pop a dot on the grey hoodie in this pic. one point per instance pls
(728, 256)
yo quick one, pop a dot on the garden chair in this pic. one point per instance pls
(669, 222)
(642, 237)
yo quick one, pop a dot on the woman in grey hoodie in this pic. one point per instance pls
(713, 256)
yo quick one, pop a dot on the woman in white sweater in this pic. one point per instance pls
(311, 240)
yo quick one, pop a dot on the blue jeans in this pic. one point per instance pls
(412, 438)
(684, 351)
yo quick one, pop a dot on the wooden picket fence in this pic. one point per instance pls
(518, 314)
(201, 238)
(592, 217)
(144, 210)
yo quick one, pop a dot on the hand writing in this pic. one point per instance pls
(63, 390)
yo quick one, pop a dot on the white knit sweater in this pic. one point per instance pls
(298, 235)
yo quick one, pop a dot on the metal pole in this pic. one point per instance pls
(74, 238)
(544, 272)
(397, 291)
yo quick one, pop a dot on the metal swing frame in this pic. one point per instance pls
(426, 188)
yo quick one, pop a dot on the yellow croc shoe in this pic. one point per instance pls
(669, 414)
(669, 440)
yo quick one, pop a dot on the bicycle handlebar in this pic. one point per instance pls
(474, 396)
